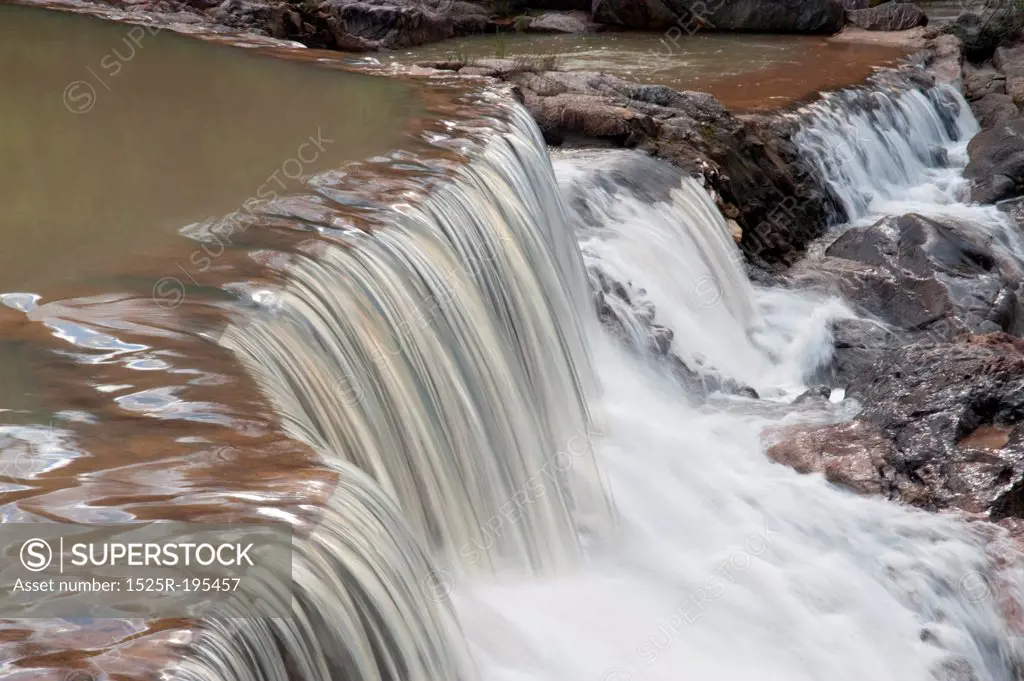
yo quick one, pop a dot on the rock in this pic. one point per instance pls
(735, 231)
(588, 116)
(946, 59)
(682, 17)
(561, 22)
(776, 16)
(851, 455)
(916, 439)
(996, 167)
(981, 81)
(817, 395)
(855, 4)
(982, 32)
(922, 278)
(993, 109)
(1011, 62)
(892, 16)
(751, 165)
(858, 343)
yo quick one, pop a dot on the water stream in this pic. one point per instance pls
(405, 364)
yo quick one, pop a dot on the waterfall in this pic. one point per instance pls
(668, 250)
(899, 147)
(446, 366)
(444, 355)
(874, 146)
(439, 364)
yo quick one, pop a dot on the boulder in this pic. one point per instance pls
(996, 167)
(981, 32)
(981, 81)
(993, 109)
(1010, 60)
(560, 22)
(373, 25)
(689, 16)
(921, 278)
(892, 16)
(942, 427)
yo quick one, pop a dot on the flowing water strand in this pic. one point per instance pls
(444, 355)
(674, 253)
(874, 146)
(353, 607)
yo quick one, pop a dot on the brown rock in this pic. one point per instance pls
(851, 454)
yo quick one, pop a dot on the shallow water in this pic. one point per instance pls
(113, 137)
(742, 71)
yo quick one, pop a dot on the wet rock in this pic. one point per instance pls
(912, 440)
(892, 16)
(770, 16)
(759, 178)
(852, 455)
(589, 116)
(819, 395)
(994, 24)
(996, 167)
(922, 278)
(561, 22)
(858, 343)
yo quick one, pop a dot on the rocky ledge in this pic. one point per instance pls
(361, 25)
(942, 427)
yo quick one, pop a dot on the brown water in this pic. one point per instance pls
(116, 144)
(112, 138)
(743, 71)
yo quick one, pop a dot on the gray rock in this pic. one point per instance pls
(561, 22)
(996, 167)
(942, 427)
(984, 31)
(993, 109)
(980, 81)
(689, 16)
(923, 278)
(892, 16)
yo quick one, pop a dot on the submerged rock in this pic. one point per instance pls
(892, 16)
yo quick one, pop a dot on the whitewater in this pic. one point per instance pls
(538, 500)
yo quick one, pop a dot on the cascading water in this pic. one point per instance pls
(898, 148)
(673, 252)
(725, 565)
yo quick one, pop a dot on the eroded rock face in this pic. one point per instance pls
(892, 16)
(996, 167)
(942, 427)
(771, 16)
